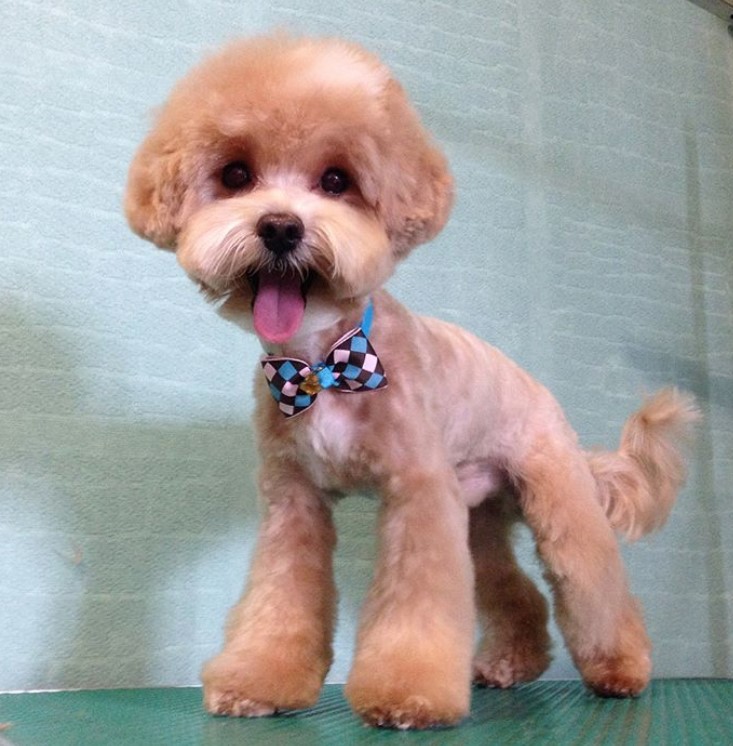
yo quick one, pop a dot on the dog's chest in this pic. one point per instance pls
(328, 445)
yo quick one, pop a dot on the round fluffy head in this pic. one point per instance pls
(284, 164)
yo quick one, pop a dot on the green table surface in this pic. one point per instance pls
(674, 712)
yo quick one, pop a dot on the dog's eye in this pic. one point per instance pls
(334, 181)
(235, 175)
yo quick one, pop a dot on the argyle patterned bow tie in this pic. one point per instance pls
(351, 366)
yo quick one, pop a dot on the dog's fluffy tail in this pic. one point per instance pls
(638, 484)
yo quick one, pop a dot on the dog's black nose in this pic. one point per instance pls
(281, 232)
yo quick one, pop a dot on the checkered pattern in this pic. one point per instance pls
(351, 366)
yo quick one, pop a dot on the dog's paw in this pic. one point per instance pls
(243, 686)
(619, 687)
(619, 684)
(231, 703)
(617, 677)
(504, 670)
(408, 696)
(413, 712)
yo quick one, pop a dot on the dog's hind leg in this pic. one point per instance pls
(278, 639)
(515, 644)
(412, 667)
(600, 620)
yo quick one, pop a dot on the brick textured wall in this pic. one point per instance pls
(592, 240)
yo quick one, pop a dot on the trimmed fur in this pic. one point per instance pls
(459, 446)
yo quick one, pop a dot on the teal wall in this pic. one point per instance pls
(592, 144)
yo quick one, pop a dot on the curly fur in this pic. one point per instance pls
(638, 484)
(459, 446)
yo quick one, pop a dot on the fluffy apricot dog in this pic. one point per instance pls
(290, 176)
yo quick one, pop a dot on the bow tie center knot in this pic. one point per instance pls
(320, 378)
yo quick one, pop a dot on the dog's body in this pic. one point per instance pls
(291, 176)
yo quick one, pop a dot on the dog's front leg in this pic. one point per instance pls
(278, 639)
(413, 661)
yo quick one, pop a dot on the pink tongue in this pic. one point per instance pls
(279, 307)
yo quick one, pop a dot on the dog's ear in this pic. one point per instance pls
(156, 190)
(419, 197)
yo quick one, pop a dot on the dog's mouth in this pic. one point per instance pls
(279, 300)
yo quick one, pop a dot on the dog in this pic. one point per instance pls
(290, 176)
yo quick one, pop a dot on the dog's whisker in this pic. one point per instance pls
(324, 262)
(231, 260)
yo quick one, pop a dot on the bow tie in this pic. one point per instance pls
(351, 366)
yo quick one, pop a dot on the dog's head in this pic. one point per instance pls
(288, 171)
